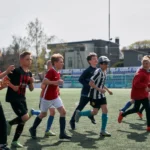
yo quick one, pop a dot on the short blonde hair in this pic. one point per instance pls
(145, 58)
(56, 57)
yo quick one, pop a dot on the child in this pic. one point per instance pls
(84, 80)
(139, 91)
(51, 97)
(97, 95)
(3, 128)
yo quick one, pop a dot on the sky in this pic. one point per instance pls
(77, 20)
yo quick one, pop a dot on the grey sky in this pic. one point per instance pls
(76, 20)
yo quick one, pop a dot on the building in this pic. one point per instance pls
(75, 52)
(133, 57)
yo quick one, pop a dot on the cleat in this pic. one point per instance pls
(32, 133)
(49, 133)
(120, 117)
(30, 113)
(72, 125)
(148, 129)
(92, 119)
(77, 116)
(8, 128)
(140, 115)
(16, 144)
(105, 133)
(64, 136)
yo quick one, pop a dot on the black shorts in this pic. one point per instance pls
(19, 106)
(96, 103)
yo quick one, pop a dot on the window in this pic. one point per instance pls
(140, 56)
(70, 62)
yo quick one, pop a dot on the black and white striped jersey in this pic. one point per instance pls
(98, 78)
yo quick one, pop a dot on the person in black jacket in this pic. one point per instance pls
(84, 80)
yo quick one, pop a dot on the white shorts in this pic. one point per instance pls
(40, 103)
(46, 104)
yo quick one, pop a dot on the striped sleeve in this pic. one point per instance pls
(96, 75)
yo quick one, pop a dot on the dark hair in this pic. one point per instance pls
(89, 57)
(55, 58)
(24, 54)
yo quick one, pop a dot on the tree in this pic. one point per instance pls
(145, 44)
(37, 38)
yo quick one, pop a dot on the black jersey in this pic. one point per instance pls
(18, 78)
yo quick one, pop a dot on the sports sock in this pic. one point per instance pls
(18, 132)
(104, 122)
(85, 113)
(62, 121)
(49, 123)
(37, 121)
(127, 105)
(17, 120)
(35, 112)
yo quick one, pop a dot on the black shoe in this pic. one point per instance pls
(64, 136)
(72, 125)
(33, 133)
(92, 119)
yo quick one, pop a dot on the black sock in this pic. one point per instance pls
(17, 120)
(37, 121)
(18, 132)
(62, 122)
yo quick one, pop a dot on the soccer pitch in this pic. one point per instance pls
(129, 135)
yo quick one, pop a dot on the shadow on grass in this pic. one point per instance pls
(138, 137)
(137, 126)
(83, 140)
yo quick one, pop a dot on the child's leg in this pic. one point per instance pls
(104, 117)
(127, 105)
(3, 129)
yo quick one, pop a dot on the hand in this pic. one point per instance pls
(10, 69)
(110, 92)
(60, 82)
(31, 80)
(16, 88)
(102, 90)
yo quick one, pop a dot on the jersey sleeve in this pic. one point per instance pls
(49, 75)
(12, 75)
(96, 75)
(83, 78)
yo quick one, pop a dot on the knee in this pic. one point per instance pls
(52, 112)
(42, 115)
(63, 112)
(94, 112)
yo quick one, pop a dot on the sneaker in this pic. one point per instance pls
(4, 148)
(30, 113)
(92, 119)
(105, 133)
(148, 129)
(49, 133)
(64, 136)
(72, 125)
(140, 115)
(16, 144)
(77, 116)
(120, 117)
(32, 133)
(8, 128)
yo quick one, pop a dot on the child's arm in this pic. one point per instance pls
(9, 70)
(31, 84)
(110, 92)
(92, 84)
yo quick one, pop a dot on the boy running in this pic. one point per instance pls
(97, 96)
(139, 92)
(3, 128)
(20, 78)
(51, 97)
(84, 80)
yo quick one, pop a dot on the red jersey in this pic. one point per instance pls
(51, 91)
(140, 82)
